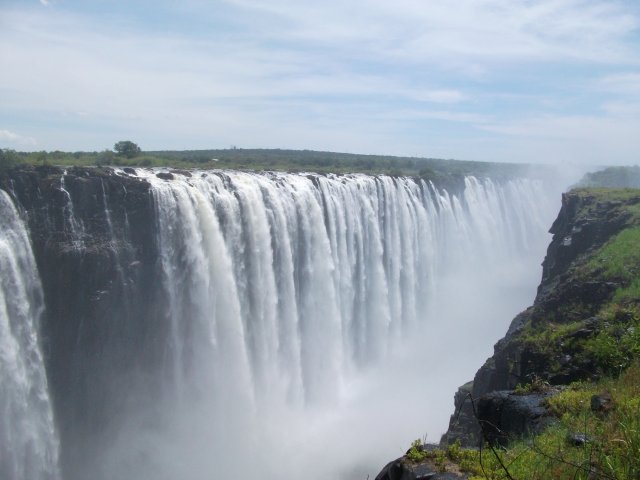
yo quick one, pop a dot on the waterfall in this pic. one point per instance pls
(28, 443)
(226, 324)
(284, 289)
(290, 282)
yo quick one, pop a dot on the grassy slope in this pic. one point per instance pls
(611, 452)
(613, 449)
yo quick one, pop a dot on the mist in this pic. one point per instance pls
(289, 325)
(377, 414)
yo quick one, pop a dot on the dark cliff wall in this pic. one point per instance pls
(547, 343)
(94, 241)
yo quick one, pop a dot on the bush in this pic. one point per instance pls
(416, 453)
(8, 158)
(105, 157)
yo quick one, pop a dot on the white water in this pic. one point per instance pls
(318, 324)
(28, 443)
(321, 323)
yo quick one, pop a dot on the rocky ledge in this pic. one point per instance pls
(547, 345)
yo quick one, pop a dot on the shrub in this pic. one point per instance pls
(8, 158)
(416, 453)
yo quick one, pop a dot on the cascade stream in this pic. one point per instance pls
(28, 442)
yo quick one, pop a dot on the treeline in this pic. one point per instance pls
(613, 177)
(129, 154)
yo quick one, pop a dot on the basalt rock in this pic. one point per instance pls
(403, 470)
(507, 416)
(602, 403)
(165, 175)
(463, 423)
(93, 238)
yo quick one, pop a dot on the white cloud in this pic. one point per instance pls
(455, 32)
(621, 83)
(7, 135)
(607, 139)
(409, 77)
(440, 96)
(46, 3)
(10, 138)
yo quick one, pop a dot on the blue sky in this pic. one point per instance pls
(556, 81)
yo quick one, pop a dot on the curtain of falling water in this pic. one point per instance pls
(284, 284)
(28, 442)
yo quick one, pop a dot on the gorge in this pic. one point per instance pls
(162, 323)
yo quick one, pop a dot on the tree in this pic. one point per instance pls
(41, 157)
(126, 148)
(8, 158)
(105, 157)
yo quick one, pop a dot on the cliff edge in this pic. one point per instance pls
(589, 264)
(560, 396)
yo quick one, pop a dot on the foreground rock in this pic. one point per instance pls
(404, 469)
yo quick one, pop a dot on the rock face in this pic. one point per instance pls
(93, 238)
(584, 224)
(426, 469)
(398, 470)
(507, 414)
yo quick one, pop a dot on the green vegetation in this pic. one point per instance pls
(619, 259)
(8, 159)
(613, 177)
(415, 452)
(127, 149)
(452, 459)
(614, 341)
(280, 160)
(537, 385)
(582, 445)
(598, 337)
(617, 343)
(623, 201)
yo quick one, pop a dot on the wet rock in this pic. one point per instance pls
(463, 425)
(578, 439)
(99, 311)
(184, 173)
(165, 175)
(402, 470)
(507, 416)
(602, 403)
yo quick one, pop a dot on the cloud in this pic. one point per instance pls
(13, 139)
(621, 83)
(440, 96)
(456, 32)
(593, 139)
(474, 80)
(46, 3)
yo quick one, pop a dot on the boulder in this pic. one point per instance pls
(402, 470)
(602, 403)
(507, 416)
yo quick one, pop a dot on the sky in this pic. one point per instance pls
(552, 81)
